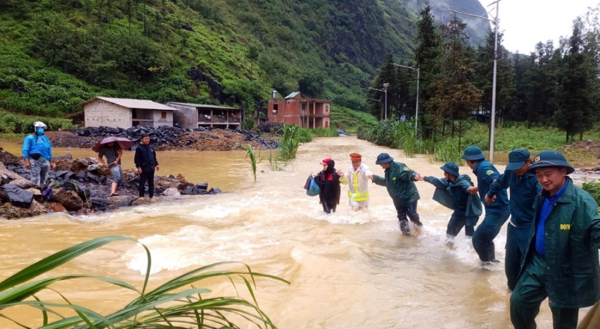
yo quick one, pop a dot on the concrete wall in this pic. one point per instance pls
(100, 113)
(186, 116)
(160, 121)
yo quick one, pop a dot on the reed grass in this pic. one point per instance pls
(177, 303)
(251, 155)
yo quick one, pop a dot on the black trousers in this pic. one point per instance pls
(146, 176)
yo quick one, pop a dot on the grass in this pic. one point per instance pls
(178, 303)
(351, 120)
(517, 135)
(289, 142)
(592, 188)
(11, 123)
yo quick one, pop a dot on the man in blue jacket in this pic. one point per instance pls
(524, 187)
(496, 213)
(561, 259)
(37, 153)
(146, 164)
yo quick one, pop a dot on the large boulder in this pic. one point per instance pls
(164, 183)
(80, 165)
(7, 157)
(9, 174)
(69, 199)
(18, 196)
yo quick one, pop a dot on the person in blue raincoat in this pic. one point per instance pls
(37, 152)
(524, 187)
(561, 260)
(496, 213)
(451, 192)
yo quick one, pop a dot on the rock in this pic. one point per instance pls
(62, 164)
(9, 173)
(100, 169)
(7, 157)
(80, 165)
(18, 196)
(37, 194)
(69, 199)
(202, 186)
(23, 183)
(67, 156)
(161, 182)
(120, 201)
(57, 207)
(36, 208)
(3, 196)
(171, 192)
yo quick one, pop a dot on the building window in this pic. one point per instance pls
(326, 108)
(163, 115)
(275, 108)
(134, 113)
(303, 107)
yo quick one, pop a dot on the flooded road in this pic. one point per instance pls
(347, 270)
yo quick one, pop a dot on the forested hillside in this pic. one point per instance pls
(55, 54)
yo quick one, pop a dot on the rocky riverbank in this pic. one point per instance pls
(165, 138)
(79, 187)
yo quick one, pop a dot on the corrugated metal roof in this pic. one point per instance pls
(132, 103)
(205, 106)
(292, 95)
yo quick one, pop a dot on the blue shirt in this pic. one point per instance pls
(486, 174)
(540, 245)
(33, 144)
(523, 190)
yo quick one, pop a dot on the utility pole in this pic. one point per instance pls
(417, 106)
(385, 87)
(494, 21)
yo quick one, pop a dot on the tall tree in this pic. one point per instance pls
(376, 97)
(505, 77)
(575, 92)
(427, 57)
(456, 94)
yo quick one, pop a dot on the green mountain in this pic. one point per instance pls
(55, 54)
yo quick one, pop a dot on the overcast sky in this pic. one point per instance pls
(526, 22)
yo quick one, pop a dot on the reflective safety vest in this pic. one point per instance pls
(358, 191)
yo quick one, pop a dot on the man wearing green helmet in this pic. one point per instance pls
(561, 260)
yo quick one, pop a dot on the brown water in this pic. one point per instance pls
(348, 270)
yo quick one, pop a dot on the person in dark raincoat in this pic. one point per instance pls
(561, 259)
(400, 183)
(451, 191)
(329, 182)
(524, 187)
(496, 213)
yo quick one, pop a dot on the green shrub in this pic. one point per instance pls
(289, 142)
(447, 151)
(593, 188)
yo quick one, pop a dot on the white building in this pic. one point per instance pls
(126, 113)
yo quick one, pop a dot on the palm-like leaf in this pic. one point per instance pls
(171, 305)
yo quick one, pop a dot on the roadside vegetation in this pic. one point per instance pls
(177, 303)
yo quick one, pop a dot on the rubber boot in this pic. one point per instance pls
(404, 227)
(449, 240)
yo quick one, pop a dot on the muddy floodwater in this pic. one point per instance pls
(347, 270)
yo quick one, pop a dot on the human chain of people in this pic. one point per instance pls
(553, 233)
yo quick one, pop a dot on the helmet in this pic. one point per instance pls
(38, 124)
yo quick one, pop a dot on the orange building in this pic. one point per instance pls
(304, 112)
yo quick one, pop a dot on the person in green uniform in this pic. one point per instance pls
(524, 187)
(561, 260)
(400, 183)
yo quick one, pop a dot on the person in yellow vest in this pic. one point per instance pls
(357, 177)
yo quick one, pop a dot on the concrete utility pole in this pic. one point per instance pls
(493, 114)
(417, 106)
(384, 90)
